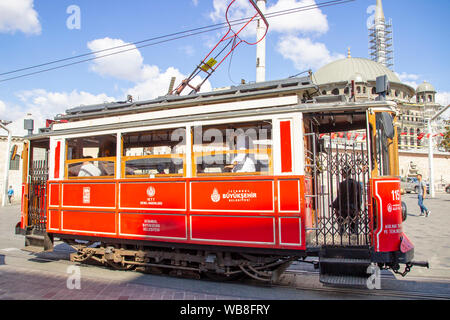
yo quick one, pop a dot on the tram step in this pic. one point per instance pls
(343, 280)
(44, 242)
(32, 240)
(354, 264)
(345, 261)
(348, 253)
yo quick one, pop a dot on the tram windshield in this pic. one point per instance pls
(383, 144)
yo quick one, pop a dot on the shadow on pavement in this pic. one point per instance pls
(60, 252)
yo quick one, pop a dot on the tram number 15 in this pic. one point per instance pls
(395, 195)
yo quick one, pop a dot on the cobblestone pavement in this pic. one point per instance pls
(49, 276)
(431, 235)
(25, 284)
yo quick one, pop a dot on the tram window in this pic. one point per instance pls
(154, 153)
(384, 135)
(89, 157)
(233, 149)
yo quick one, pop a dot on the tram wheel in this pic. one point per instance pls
(404, 211)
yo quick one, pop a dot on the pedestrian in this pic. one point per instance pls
(347, 205)
(10, 194)
(424, 212)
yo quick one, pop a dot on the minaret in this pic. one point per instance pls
(380, 42)
(380, 29)
(261, 46)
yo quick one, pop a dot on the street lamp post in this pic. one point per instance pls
(430, 150)
(7, 163)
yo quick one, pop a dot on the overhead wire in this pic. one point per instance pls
(174, 36)
(224, 24)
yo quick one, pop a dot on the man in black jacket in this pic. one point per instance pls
(347, 205)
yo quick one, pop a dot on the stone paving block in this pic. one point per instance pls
(179, 296)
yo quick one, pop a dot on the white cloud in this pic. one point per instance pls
(19, 15)
(149, 81)
(309, 21)
(409, 78)
(443, 98)
(156, 83)
(306, 54)
(124, 66)
(294, 30)
(304, 21)
(188, 50)
(42, 105)
(2, 109)
(195, 2)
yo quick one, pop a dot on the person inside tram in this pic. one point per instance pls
(347, 205)
(243, 162)
(89, 169)
(107, 150)
(160, 168)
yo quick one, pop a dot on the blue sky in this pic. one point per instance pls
(35, 31)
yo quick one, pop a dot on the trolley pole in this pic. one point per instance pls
(7, 163)
(430, 150)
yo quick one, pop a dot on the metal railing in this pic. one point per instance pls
(340, 175)
(37, 203)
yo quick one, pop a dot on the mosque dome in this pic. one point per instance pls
(353, 69)
(425, 87)
(357, 77)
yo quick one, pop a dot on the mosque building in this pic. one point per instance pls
(415, 106)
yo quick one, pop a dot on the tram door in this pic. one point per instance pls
(337, 173)
(36, 187)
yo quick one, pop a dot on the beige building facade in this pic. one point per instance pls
(355, 78)
(15, 172)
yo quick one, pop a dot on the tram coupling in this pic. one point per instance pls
(409, 265)
(423, 264)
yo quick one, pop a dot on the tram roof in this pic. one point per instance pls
(244, 91)
(303, 88)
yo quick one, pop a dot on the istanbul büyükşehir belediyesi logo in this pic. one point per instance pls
(233, 196)
(151, 191)
(215, 196)
(389, 208)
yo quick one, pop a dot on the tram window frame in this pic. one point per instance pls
(155, 159)
(103, 160)
(223, 157)
(380, 147)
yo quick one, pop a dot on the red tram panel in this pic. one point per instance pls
(388, 232)
(257, 212)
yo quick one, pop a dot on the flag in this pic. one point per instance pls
(349, 135)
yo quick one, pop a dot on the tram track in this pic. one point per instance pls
(289, 280)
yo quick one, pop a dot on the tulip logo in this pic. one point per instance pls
(151, 192)
(389, 208)
(215, 196)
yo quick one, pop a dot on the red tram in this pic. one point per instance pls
(239, 181)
